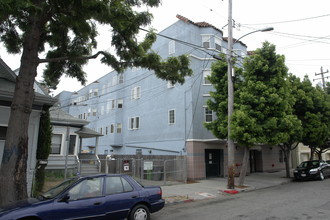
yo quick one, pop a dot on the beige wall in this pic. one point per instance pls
(270, 158)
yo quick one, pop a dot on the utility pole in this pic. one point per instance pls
(230, 142)
(322, 76)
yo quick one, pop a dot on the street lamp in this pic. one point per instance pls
(259, 30)
(230, 142)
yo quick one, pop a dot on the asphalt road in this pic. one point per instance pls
(295, 200)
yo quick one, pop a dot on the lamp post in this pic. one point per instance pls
(230, 142)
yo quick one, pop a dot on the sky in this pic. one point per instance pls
(301, 32)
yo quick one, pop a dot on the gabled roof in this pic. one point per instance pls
(60, 117)
(198, 24)
(7, 87)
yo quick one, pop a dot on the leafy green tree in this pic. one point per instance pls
(43, 150)
(312, 108)
(263, 103)
(266, 100)
(66, 32)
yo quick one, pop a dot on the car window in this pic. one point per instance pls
(58, 189)
(127, 185)
(113, 185)
(88, 188)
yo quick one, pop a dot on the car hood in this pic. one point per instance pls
(20, 204)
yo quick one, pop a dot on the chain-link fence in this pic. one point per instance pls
(160, 170)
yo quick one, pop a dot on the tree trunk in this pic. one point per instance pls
(287, 154)
(244, 167)
(13, 171)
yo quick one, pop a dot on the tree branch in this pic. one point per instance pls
(59, 59)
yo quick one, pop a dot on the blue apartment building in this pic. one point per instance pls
(138, 113)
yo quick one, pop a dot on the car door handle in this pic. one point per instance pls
(134, 197)
(97, 203)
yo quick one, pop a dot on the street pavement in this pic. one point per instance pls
(217, 187)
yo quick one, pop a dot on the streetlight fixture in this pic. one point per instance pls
(230, 142)
(259, 30)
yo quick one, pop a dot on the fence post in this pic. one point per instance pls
(164, 172)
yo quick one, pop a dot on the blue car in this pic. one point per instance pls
(94, 197)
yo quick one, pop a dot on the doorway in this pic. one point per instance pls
(214, 162)
(255, 161)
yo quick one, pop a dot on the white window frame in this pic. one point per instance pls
(171, 47)
(206, 72)
(112, 104)
(96, 92)
(94, 112)
(61, 144)
(217, 41)
(119, 128)
(136, 93)
(112, 128)
(120, 103)
(102, 110)
(120, 78)
(170, 85)
(206, 41)
(134, 123)
(171, 117)
(114, 80)
(208, 113)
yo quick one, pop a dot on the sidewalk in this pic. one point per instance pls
(217, 187)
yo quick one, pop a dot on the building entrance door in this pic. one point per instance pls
(255, 161)
(214, 162)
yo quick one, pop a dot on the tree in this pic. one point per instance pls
(66, 31)
(266, 100)
(312, 107)
(263, 103)
(43, 150)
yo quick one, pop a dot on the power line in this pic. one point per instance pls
(289, 21)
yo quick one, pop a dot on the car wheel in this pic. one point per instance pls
(321, 175)
(139, 212)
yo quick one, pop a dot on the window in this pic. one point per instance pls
(116, 184)
(112, 128)
(3, 131)
(114, 80)
(217, 43)
(120, 78)
(94, 111)
(102, 110)
(171, 116)
(88, 188)
(208, 114)
(72, 144)
(96, 92)
(106, 130)
(170, 85)
(56, 144)
(90, 94)
(136, 92)
(103, 90)
(89, 112)
(113, 104)
(206, 73)
(171, 47)
(120, 103)
(134, 123)
(119, 127)
(108, 106)
(206, 41)
(101, 130)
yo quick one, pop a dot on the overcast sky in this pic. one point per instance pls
(301, 31)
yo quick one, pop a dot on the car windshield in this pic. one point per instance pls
(53, 192)
(309, 164)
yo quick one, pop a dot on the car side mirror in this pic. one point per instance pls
(64, 198)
